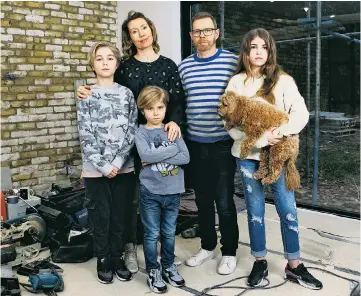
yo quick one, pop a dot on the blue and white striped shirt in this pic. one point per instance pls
(204, 81)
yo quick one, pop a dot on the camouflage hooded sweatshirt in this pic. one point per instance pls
(106, 123)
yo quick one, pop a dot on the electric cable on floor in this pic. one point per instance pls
(267, 287)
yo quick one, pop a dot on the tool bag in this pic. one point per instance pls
(67, 202)
(73, 247)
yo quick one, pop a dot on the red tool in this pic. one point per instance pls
(4, 216)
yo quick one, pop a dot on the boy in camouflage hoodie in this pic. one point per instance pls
(106, 122)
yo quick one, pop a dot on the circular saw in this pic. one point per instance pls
(26, 230)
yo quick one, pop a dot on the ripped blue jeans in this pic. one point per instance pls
(255, 203)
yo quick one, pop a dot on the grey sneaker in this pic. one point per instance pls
(155, 282)
(172, 276)
(130, 257)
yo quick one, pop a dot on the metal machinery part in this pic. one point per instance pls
(26, 234)
(17, 229)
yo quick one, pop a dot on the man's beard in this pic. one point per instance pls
(207, 46)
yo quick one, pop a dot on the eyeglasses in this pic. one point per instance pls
(206, 32)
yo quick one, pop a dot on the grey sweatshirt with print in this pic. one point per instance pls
(163, 175)
(106, 123)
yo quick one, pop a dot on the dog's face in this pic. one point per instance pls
(227, 106)
(224, 107)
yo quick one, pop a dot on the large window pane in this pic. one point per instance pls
(339, 137)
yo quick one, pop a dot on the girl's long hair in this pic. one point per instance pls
(271, 70)
(128, 47)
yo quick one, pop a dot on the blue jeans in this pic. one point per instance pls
(255, 203)
(159, 218)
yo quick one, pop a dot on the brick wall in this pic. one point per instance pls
(45, 45)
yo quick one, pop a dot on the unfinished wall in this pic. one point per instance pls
(45, 44)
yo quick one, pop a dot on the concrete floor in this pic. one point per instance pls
(80, 279)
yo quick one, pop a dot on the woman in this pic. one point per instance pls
(142, 66)
(258, 74)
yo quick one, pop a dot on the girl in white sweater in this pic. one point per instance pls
(258, 74)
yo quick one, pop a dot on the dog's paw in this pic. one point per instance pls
(268, 180)
(259, 175)
(243, 155)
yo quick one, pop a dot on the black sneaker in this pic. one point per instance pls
(105, 274)
(171, 276)
(258, 273)
(121, 271)
(155, 282)
(301, 276)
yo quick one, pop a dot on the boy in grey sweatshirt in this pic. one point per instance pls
(106, 122)
(161, 184)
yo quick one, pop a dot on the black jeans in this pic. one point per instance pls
(212, 168)
(131, 215)
(105, 199)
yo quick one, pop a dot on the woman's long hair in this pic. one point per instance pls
(271, 70)
(128, 47)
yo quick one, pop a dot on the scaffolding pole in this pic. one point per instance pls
(341, 36)
(308, 99)
(317, 106)
(307, 39)
(221, 25)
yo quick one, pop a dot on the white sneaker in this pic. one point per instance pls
(227, 265)
(200, 257)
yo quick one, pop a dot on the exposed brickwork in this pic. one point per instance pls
(45, 45)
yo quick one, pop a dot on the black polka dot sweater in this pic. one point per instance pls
(163, 72)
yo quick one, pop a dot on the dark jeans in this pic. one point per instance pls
(159, 217)
(213, 167)
(105, 200)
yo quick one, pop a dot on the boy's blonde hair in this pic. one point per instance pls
(96, 46)
(150, 95)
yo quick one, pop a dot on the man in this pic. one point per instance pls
(205, 75)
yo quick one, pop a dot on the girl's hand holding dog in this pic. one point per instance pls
(273, 136)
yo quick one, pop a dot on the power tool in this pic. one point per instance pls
(48, 281)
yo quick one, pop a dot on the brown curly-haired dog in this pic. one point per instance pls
(254, 117)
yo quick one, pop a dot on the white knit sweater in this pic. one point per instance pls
(288, 99)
